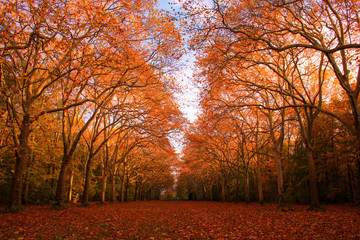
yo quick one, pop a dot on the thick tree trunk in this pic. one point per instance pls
(60, 190)
(21, 157)
(314, 192)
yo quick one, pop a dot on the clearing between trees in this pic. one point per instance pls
(181, 220)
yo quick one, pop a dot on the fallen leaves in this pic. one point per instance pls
(180, 220)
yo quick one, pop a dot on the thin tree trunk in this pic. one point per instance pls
(279, 175)
(228, 193)
(247, 186)
(127, 186)
(71, 186)
(237, 189)
(113, 189)
(104, 175)
(259, 182)
(103, 188)
(136, 190)
(223, 189)
(122, 186)
(26, 189)
(358, 149)
(352, 184)
(85, 198)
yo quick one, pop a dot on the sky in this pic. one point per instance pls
(188, 99)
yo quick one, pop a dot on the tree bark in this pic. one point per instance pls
(237, 189)
(104, 175)
(127, 186)
(279, 177)
(259, 182)
(352, 185)
(314, 191)
(113, 188)
(71, 186)
(26, 189)
(247, 186)
(122, 186)
(103, 188)
(21, 156)
(87, 181)
(60, 190)
(223, 189)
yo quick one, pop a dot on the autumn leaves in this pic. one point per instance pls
(92, 74)
(272, 72)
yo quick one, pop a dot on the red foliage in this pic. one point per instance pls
(181, 220)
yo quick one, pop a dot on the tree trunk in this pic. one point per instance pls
(136, 190)
(247, 186)
(228, 193)
(113, 189)
(127, 186)
(352, 185)
(71, 186)
(60, 190)
(26, 189)
(103, 188)
(85, 198)
(314, 192)
(259, 182)
(104, 176)
(279, 177)
(21, 157)
(203, 191)
(237, 189)
(122, 186)
(223, 189)
(358, 149)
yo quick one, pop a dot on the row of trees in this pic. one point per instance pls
(85, 96)
(281, 84)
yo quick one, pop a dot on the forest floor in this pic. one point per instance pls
(181, 220)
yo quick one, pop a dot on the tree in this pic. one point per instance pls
(45, 44)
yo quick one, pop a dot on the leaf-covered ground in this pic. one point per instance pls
(180, 220)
